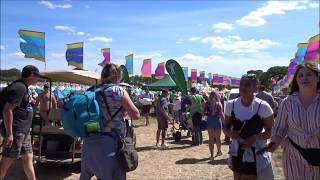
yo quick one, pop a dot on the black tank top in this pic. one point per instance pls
(248, 127)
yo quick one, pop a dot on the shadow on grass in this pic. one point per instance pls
(203, 161)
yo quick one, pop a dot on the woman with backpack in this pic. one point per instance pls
(100, 155)
(214, 112)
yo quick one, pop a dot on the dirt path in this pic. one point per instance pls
(180, 161)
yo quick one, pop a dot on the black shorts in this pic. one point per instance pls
(146, 109)
(21, 145)
(238, 166)
(162, 123)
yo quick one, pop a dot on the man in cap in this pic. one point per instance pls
(17, 120)
(45, 103)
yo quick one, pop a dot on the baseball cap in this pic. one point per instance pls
(28, 70)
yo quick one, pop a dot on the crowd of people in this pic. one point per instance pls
(256, 124)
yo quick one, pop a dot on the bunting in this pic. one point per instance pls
(106, 55)
(159, 72)
(146, 68)
(129, 64)
(74, 55)
(32, 44)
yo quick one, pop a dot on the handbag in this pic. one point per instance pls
(128, 156)
(311, 155)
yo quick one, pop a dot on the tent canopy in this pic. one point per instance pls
(166, 82)
(73, 76)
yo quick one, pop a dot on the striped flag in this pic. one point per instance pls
(313, 50)
(106, 55)
(301, 52)
(74, 54)
(194, 75)
(185, 73)
(129, 64)
(159, 73)
(32, 44)
(202, 75)
(146, 68)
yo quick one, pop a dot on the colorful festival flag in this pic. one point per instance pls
(215, 79)
(194, 75)
(209, 77)
(106, 55)
(146, 68)
(74, 54)
(301, 52)
(202, 75)
(32, 44)
(185, 72)
(291, 69)
(129, 64)
(159, 73)
(313, 50)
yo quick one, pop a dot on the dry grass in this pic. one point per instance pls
(180, 161)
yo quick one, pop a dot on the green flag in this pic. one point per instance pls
(125, 74)
(176, 73)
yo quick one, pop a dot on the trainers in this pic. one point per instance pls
(164, 146)
(219, 154)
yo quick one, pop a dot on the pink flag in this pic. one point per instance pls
(159, 73)
(106, 55)
(146, 68)
(313, 50)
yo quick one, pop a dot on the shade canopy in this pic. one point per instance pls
(73, 76)
(166, 82)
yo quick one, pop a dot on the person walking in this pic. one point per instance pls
(297, 125)
(214, 111)
(162, 115)
(18, 114)
(100, 155)
(147, 99)
(248, 121)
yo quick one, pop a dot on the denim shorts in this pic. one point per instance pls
(21, 145)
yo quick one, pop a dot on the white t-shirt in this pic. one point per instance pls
(245, 113)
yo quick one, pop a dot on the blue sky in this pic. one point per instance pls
(224, 37)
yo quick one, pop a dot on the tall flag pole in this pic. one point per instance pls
(129, 64)
(106, 55)
(159, 72)
(32, 44)
(74, 54)
(146, 68)
(185, 72)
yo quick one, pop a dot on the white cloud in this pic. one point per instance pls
(256, 17)
(70, 29)
(100, 38)
(17, 54)
(2, 47)
(192, 57)
(58, 55)
(200, 25)
(222, 26)
(179, 41)
(236, 45)
(151, 55)
(194, 38)
(50, 5)
(314, 5)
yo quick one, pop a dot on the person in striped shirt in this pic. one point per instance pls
(297, 125)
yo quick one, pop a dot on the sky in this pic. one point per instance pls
(224, 37)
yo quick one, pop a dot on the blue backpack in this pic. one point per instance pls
(81, 115)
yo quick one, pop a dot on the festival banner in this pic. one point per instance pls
(32, 44)
(215, 79)
(313, 50)
(185, 72)
(202, 75)
(301, 52)
(220, 79)
(125, 74)
(146, 68)
(106, 55)
(291, 69)
(209, 77)
(175, 71)
(194, 75)
(129, 64)
(74, 54)
(160, 72)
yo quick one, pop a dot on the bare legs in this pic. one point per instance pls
(214, 138)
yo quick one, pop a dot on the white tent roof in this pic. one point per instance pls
(73, 76)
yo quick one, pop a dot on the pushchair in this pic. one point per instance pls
(184, 124)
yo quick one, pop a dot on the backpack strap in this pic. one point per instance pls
(107, 106)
